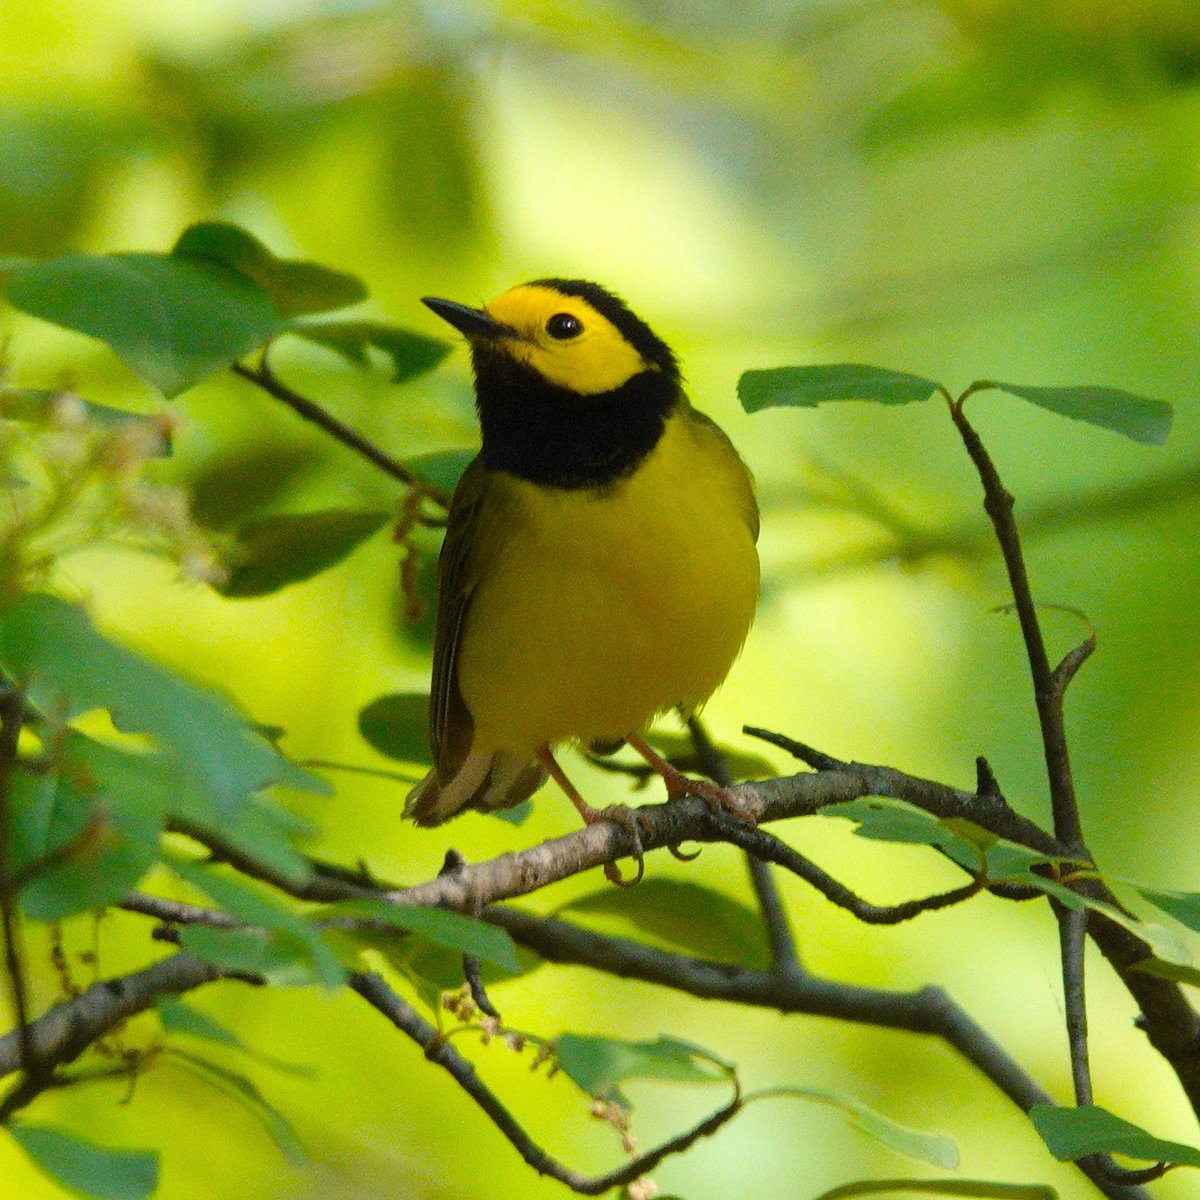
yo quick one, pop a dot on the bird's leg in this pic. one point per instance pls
(618, 814)
(718, 799)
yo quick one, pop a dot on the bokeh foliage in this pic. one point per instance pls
(958, 189)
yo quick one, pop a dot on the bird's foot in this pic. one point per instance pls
(629, 820)
(719, 799)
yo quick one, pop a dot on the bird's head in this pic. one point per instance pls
(572, 334)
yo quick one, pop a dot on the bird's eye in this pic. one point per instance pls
(563, 326)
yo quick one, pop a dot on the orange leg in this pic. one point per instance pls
(618, 814)
(679, 785)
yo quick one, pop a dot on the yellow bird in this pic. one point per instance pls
(599, 566)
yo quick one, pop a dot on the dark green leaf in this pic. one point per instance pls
(452, 930)
(246, 1093)
(600, 1065)
(273, 552)
(1137, 417)
(1183, 906)
(297, 287)
(684, 915)
(1159, 967)
(280, 958)
(987, 1188)
(180, 1017)
(252, 480)
(117, 797)
(932, 1148)
(411, 354)
(886, 820)
(174, 320)
(1072, 1133)
(290, 930)
(398, 726)
(809, 386)
(86, 1168)
(441, 468)
(67, 667)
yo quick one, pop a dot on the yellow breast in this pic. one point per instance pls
(594, 611)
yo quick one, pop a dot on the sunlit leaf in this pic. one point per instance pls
(599, 1065)
(453, 930)
(180, 1018)
(67, 667)
(411, 354)
(1137, 417)
(174, 320)
(1072, 1133)
(398, 726)
(1162, 969)
(296, 286)
(113, 800)
(812, 385)
(290, 937)
(687, 916)
(273, 552)
(247, 1094)
(933, 1148)
(85, 1168)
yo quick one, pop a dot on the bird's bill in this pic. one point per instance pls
(473, 322)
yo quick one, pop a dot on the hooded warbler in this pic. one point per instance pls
(599, 564)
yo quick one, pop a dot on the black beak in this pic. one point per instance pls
(474, 322)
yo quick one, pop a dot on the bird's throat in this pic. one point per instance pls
(553, 436)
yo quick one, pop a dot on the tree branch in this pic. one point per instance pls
(438, 1050)
(927, 1011)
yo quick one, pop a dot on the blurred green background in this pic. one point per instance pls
(962, 188)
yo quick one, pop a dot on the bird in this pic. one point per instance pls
(599, 566)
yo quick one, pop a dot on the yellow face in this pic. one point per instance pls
(566, 340)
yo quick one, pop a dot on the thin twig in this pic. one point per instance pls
(12, 715)
(264, 377)
(1072, 931)
(438, 1050)
(929, 1010)
(780, 936)
(768, 848)
(998, 503)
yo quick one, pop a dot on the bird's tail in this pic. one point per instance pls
(483, 781)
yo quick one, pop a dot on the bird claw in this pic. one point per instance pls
(628, 820)
(682, 855)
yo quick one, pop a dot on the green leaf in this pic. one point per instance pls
(886, 820)
(1072, 1133)
(296, 286)
(85, 1168)
(1137, 417)
(180, 1018)
(987, 1188)
(1162, 969)
(598, 1065)
(933, 1148)
(173, 319)
(119, 795)
(290, 936)
(411, 354)
(279, 958)
(517, 815)
(246, 1093)
(684, 915)
(398, 726)
(809, 386)
(66, 667)
(453, 930)
(273, 552)
(441, 469)
(1183, 906)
